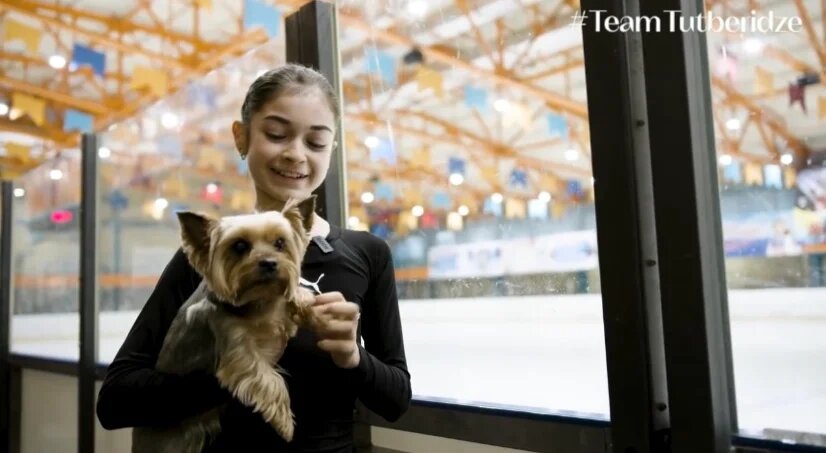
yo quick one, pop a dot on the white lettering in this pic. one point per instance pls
(598, 19)
(795, 24)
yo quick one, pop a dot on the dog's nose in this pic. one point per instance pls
(267, 266)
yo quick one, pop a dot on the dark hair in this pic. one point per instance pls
(290, 78)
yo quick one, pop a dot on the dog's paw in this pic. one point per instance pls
(284, 424)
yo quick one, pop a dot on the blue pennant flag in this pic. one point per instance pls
(258, 13)
(557, 125)
(519, 178)
(243, 168)
(79, 121)
(491, 207)
(383, 191)
(537, 209)
(441, 200)
(574, 188)
(378, 62)
(476, 98)
(117, 200)
(773, 176)
(82, 55)
(383, 151)
(732, 173)
(456, 165)
(171, 145)
(200, 94)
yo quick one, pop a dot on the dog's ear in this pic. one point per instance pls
(196, 229)
(300, 214)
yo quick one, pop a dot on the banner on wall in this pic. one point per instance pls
(562, 252)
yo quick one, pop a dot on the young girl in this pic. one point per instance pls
(287, 133)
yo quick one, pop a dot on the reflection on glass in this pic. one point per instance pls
(45, 250)
(176, 155)
(468, 150)
(769, 117)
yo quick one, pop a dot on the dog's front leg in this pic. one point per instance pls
(300, 308)
(251, 377)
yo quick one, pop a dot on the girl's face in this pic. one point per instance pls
(288, 142)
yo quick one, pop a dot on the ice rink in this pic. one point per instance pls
(547, 354)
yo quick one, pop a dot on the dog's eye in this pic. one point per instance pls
(240, 246)
(279, 244)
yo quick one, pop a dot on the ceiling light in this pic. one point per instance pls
(463, 210)
(571, 155)
(170, 120)
(417, 211)
(786, 159)
(733, 124)
(55, 174)
(456, 179)
(353, 222)
(544, 197)
(4, 109)
(753, 46)
(19, 192)
(371, 141)
(725, 159)
(367, 197)
(57, 61)
(501, 105)
(211, 188)
(417, 8)
(161, 203)
(497, 197)
(104, 152)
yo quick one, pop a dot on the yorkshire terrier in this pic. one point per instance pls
(237, 323)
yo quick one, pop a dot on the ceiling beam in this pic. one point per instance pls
(433, 53)
(55, 96)
(760, 115)
(93, 36)
(121, 25)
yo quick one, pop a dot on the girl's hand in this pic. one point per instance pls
(335, 322)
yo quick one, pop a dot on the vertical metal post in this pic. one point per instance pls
(689, 233)
(626, 233)
(312, 40)
(6, 212)
(88, 294)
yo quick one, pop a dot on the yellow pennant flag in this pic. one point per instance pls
(407, 222)
(789, 177)
(421, 157)
(8, 174)
(491, 174)
(412, 197)
(212, 158)
(35, 108)
(515, 209)
(14, 30)
(206, 4)
(428, 78)
(753, 174)
(18, 152)
(821, 107)
(154, 80)
(763, 81)
(174, 187)
(549, 183)
(557, 210)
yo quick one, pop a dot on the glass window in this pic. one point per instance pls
(468, 151)
(176, 155)
(45, 256)
(770, 118)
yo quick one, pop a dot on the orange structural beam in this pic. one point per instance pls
(55, 96)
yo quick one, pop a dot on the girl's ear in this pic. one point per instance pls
(240, 134)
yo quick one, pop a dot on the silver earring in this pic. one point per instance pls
(244, 156)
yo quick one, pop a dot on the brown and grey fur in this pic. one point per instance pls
(241, 331)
